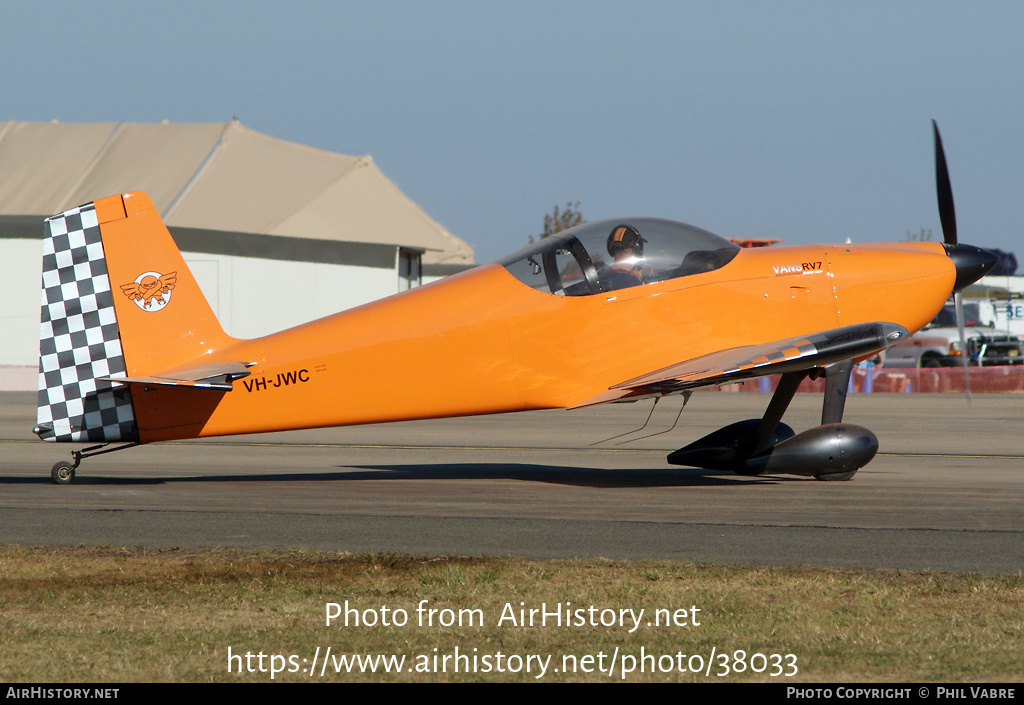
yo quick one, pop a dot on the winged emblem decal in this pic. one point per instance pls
(151, 291)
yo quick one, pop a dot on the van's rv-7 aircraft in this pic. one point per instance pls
(608, 311)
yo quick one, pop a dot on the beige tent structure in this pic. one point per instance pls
(242, 206)
(216, 176)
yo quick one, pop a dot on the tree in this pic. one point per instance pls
(558, 221)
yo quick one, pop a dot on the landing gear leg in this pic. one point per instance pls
(784, 393)
(63, 473)
(837, 381)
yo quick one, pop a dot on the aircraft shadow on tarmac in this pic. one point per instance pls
(550, 474)
(573, 476)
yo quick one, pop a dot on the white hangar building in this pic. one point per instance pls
(275, 232)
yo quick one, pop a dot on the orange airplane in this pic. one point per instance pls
(609, 311)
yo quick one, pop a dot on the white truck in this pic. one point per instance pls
(938, 343)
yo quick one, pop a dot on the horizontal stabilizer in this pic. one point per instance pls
(750, 361)
(214, 376)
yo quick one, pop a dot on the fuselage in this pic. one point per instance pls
(484, 342)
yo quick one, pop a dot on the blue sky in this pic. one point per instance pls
(807, 121)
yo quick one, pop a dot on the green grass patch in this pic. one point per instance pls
(139, 615)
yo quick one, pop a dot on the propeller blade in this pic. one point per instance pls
(944, 190)
(971, 263)
(958, 300)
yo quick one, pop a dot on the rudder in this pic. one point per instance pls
(79, 339)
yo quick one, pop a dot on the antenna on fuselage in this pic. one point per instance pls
(686, 398)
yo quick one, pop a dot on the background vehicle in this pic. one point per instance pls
(938, 343)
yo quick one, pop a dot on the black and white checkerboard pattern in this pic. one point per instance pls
(78, 337)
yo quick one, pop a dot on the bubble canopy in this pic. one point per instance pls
(608, 255)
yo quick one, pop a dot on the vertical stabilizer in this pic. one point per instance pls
(118, 302)
(163, 316)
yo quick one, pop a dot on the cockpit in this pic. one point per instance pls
(609, 255)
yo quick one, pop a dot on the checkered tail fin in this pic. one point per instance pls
(78, 338)
(118, 302)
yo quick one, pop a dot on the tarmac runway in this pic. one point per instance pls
(945, 492)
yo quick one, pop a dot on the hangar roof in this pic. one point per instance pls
(216, 176)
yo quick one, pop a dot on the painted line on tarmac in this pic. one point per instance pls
(371, 446)
(365, 446)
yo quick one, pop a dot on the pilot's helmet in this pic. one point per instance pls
(625, 237)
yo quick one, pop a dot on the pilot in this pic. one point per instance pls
(626, 247)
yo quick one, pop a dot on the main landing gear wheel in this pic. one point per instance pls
(63, 473)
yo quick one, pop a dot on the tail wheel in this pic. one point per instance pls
(63, 473)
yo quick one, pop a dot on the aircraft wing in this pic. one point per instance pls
(214, 376)
(747, 362)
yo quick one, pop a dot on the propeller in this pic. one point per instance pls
(947, 213)
(972, 263)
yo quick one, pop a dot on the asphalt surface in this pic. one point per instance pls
(945, 492)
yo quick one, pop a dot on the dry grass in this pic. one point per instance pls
(122, 615)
